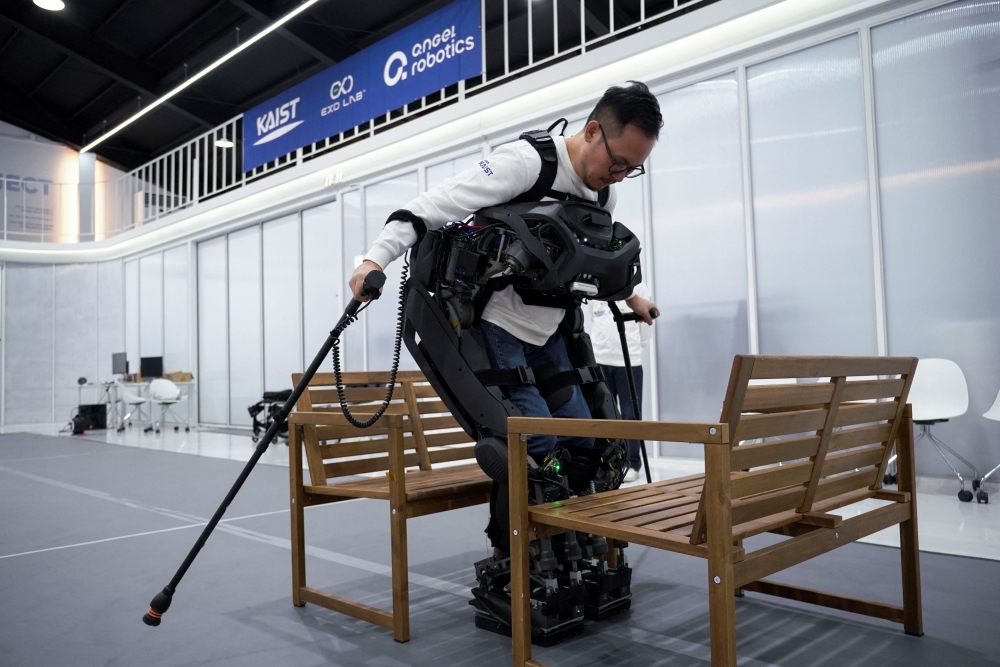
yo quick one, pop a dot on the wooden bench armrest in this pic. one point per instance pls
(338, 419)
(707, 433)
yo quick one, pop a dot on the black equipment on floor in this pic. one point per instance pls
(266, 410)
(89, 417)
(372, 289)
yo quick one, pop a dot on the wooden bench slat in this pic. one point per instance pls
(668, 524)
(859, 458)
(858, 437)
(761, 397)
(866, 390)
(354, 395)
(776, 477)
(452, 454)
(354, 448)
(865, 412)
(349, 468)
(753, 427)
(439, 423)
(655, 504)
(776, 451)
(778, 367)
(432, 407)
(646, 520)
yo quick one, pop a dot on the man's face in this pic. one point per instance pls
(631, 147)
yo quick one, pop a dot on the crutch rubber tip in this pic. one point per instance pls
(157, 608)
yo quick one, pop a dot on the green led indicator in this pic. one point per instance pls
(556, 466)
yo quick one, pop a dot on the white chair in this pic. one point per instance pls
(939, 393)
(994, 414)
(165, 394)
(132, 404)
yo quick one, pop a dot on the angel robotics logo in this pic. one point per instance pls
(426, 53)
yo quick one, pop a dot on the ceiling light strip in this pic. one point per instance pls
(190, 81)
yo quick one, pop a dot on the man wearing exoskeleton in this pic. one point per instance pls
(494, 300)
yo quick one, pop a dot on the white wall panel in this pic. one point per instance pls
(151, 306)
(937, 107)
(282, 330)
(352, 347)
(175, 310)
(245, 354)
(28, 384)
(381, 199)
(699, 250)
(443, 170)
(812, 225)
(213, 334)
(76, 336)
(132, 314)
(323, 295)
(110, 316)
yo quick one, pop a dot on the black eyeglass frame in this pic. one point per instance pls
(616, 166)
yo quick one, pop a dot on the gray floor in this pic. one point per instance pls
(90, 531)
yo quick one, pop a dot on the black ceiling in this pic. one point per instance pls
(66, 75)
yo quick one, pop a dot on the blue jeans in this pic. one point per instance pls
(506, 351)
(617, 381)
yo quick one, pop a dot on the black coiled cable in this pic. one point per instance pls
(335, 354)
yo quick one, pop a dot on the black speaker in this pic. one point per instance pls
(93, 416)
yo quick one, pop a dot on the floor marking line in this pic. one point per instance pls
(317, 552)
(148, 532)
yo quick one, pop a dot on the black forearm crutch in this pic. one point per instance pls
(620, 320)
(161, 601)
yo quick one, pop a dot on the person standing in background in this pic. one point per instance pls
(608, 352)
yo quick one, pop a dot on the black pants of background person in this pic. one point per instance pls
(617, 382)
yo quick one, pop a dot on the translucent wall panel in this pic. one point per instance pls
(28, 384)
(815, 275)
(132, 314)
(322, 274)
(444, 170)
(937, 107)
(382, 199)
(175, 310)
(245, 370)
(213, 334)
(76, 336)
(151, 306)
(698, 250)
(353, 341)
(110, 322)
(282, 320)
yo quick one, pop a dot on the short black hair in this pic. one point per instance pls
(624, 105)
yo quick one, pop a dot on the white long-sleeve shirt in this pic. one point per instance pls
(508, 172)
(604, 332)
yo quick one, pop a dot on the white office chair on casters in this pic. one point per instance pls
(133, 404)
(165, 394)
(939, 393)
(981, 495)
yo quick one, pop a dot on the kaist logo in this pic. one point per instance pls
(431, 51)
(342, 89)
(276, 122)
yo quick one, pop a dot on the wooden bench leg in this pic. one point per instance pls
(397, 529)
(909, 549)
(721, 582)
(297, 516)
(520, 584)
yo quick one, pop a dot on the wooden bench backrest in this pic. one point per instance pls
(431, 434)
(824, 431)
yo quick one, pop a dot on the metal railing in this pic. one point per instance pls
(519, 37)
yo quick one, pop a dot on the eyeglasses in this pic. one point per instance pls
(620, 167)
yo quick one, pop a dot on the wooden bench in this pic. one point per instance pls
(411, 446)
(808, 449)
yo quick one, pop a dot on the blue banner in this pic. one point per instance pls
(436, 51)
